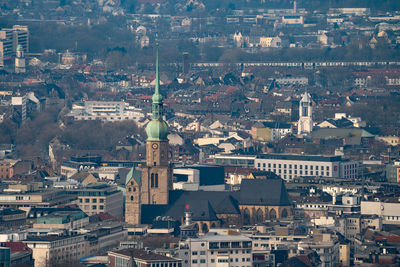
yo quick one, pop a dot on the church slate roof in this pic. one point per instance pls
(269, 192)
(205, 205)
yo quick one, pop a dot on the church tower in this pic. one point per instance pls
(156, 179)
(20, 60)
(305, 124)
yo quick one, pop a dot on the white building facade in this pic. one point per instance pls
(216, 250)
(106, 111)
(290, 166)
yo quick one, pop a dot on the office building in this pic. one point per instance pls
(290, 166)
(216, 250)
(99, 198)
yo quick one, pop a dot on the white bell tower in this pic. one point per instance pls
(305, 124)
(20, 60)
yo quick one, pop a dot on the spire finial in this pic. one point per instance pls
(157, 75)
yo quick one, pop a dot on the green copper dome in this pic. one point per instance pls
(157, 128)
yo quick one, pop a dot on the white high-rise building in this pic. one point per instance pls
(305, 124)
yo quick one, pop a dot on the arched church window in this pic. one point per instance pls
(156, 180)
(131, 198)
(152, 180)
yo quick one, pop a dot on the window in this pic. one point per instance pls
(101, 207)
(202, 261)
(194, 261)
(80, 200)
(280, 165)
(94, 200)
(194, 252)
(87, 200)
(311, 167)
(94, 207)
(101, 200)
(152, 180)
(301, 167)
(212, 260)
(202, 253)
(130, 189)
(156, 180)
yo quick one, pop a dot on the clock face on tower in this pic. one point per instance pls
(154, 146)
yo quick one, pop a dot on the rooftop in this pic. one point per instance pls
(144, 255)
(300, 157)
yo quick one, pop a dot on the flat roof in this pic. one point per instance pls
(139, 254)
(301, 157)
(222, 238)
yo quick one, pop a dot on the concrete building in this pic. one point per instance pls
(39, 198)
(216, 250)
(389, 211)
(129, 257)
(270, 130)
(106, 111)
(19, 104)
(99, 198)
(392, 172)
(274, 42)
(325, 244)
(10, 38)
(293, 81)
(244, 161)
(50, 250)
(290, 166)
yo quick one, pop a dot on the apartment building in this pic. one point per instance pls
(10, 38)
(136, 257)
(216, 250)
(99, 198)
(50, 250)
(39, 198)
(106, 111)
(290, 166)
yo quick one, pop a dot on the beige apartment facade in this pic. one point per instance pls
(52, 250)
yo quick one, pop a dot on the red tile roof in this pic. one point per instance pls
(17, 246)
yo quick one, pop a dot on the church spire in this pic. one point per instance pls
(157, 85)
(157, 128)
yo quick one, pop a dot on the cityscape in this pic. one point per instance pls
(195, 133)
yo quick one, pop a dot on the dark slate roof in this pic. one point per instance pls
(271, 192)
(150, 212)
(203, 204)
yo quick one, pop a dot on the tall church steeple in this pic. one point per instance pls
(156, 180)
(157, 129)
